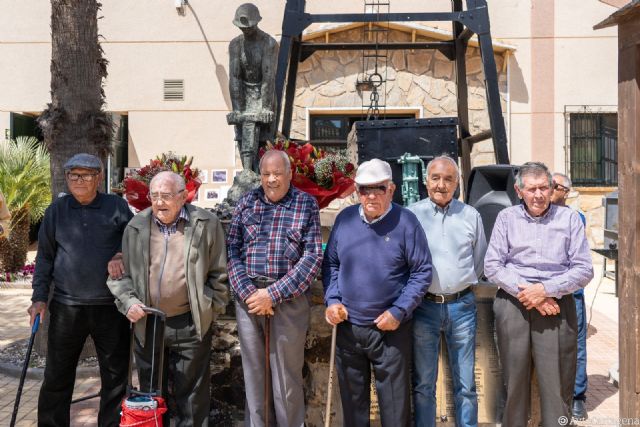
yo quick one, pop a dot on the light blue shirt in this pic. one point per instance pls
(364, 218)
(456, 241)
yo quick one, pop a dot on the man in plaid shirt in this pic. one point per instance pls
(274, 252)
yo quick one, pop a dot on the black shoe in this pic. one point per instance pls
(579, 410)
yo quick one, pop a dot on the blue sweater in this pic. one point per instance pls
(371, 268)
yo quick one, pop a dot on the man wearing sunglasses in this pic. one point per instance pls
(376, 270)
(78, 245)
(175, 261)
(561, 190)
(458, 246)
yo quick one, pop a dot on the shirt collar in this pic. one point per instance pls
(526, 214)
(439, 209)
(183, 215)
(95, 203)
(285, 201)
(364, 218)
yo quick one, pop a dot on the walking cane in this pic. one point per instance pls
(267, 368)
(327, 416)
(34, 329)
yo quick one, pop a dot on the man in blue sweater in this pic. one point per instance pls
(376, 270)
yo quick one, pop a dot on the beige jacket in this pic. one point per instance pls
(5, 217)
(205, 267)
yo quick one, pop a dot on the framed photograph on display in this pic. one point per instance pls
(204, 176)
(219, 176)
(211, 194)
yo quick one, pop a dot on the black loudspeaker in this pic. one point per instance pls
(389, 139)
(489, 190)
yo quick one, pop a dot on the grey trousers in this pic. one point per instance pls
(289, 326)
(525, 336)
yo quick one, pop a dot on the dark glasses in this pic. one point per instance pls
(376, 190)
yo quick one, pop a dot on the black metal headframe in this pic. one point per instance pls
(466, 23)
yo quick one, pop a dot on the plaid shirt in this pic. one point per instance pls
(278, 240)
(168, 230)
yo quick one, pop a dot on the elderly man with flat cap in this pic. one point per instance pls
(376, 270)
(78, 246)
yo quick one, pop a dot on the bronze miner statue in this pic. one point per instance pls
(252, 68)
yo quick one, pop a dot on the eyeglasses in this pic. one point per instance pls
(376, 190)
(165, 197)
(561, 187)
(84, 177)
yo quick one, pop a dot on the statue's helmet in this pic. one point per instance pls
(247, 15)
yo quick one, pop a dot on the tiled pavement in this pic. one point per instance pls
(602, 346)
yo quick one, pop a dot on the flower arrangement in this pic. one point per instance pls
(324, 175)
(135, 185)
(25, 274)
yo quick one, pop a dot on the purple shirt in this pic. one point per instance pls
(551, 249)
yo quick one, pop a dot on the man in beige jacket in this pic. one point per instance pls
(5, 217)
(174, 260)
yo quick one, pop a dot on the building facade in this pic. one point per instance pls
(168, 82)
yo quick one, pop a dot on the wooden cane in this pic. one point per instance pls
(327, 416)
(267, 368)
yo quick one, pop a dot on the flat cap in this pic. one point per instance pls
(85, 161)
(372, 172)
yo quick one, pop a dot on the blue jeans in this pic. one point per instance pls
(580, 389)
(457, 321)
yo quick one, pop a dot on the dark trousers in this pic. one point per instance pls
(358, 348)
(69, 326)
(549, 342)
(186, 362)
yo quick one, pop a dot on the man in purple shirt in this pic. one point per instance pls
(538, 256)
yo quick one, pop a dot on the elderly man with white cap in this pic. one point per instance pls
(376, 270)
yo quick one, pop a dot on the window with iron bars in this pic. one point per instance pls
(331, 131)
(593, 149)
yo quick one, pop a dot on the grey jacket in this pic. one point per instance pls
(205, 267)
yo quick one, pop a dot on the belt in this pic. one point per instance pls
(262, 282)
(445, 298)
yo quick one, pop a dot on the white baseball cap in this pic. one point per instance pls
(372, 172)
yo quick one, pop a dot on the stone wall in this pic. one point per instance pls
(420, 78)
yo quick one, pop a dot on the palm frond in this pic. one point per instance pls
(25, 176)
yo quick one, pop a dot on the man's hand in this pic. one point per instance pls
(335, 314)
(260, 303)
(531, 295)
(135, 313)
(36, 308)
(549, 307)
(265, 116)
(116, 267)
(386, 322)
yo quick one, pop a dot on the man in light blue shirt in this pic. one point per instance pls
(458, 244)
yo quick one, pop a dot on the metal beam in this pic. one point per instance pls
(295, 22)
(460, 51)
(291, 88)
(445, 47)
(493, 99)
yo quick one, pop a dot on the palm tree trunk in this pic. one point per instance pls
(74, 121)
(13, 250)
